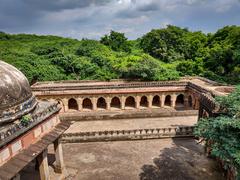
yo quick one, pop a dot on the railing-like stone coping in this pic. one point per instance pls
(18, 128)
(135, 134)
(82, 85)
(203, 79)
(198, 88)
(112, 86)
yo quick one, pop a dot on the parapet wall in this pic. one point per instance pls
(136, 134)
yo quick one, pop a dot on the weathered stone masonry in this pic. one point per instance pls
(195, 92)
(119, 96)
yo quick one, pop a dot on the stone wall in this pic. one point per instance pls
(21, 137)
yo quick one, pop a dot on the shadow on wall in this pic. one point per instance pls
(184, 161)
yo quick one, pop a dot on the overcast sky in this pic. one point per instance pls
(94, 18)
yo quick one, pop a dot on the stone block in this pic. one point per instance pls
(4, 155)
(37, 132)
(16, 147)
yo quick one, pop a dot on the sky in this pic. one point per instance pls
(94, 18)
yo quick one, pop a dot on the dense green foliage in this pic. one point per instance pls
(162, 54)
(216, 56)
(116, 41)
(224, 131)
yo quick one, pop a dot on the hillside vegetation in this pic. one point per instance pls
(162, 54)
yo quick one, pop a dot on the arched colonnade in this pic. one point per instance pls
(122, 102)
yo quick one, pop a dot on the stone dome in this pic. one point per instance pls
(16, 98)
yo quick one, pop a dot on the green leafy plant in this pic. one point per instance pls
(224, 131)
(25, 120)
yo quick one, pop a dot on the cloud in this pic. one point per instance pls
(57, 5)
(93, 18)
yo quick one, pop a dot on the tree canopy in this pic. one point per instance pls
(161, 54)
(116, 41)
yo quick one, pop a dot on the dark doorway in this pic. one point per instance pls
(180, 100)
(144, 101)
(72, 104)
(87, 104)
(167, 101)
(101, 103)
(156, 101)
(115, 103)
(130, 102)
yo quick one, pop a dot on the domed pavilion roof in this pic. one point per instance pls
(16, 98)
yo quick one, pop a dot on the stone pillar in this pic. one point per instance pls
(94, 102)
(65, 104)
(123, 99)
(59, 163)
(62, 106)
(173, 101)
(43, 165)
(108, 101)
(162, 100)
(197, 104)
(79, 101)
(137, 99)
(186, 104)
(150, 98)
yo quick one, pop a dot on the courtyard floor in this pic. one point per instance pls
(166, 159)
(128, 124)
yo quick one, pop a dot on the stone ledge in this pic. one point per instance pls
(124, 115)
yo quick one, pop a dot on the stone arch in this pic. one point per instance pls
(115, 103)
(130, 102)
(156, 101)
(167, 101)
(101, 103)
(180, 100)
(72, 104)
(87, 104)
(144, 101)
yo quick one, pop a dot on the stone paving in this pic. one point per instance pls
(167, 159)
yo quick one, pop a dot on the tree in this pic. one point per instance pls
(116, 41)
(143, 67)
(224, 53)
(223, 131)
(165, 44)
(190, 68)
